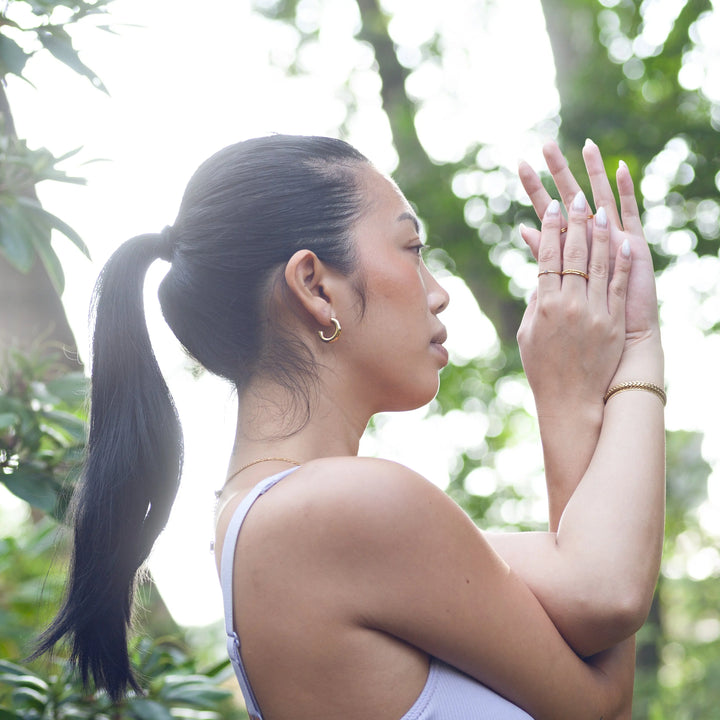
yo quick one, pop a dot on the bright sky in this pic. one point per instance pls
(184, 83)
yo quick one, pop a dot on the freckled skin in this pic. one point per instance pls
(390, 346)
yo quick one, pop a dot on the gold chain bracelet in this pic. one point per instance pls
(636, 385)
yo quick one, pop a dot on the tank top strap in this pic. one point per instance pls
(226, 581)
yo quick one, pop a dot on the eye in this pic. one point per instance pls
(418, 249)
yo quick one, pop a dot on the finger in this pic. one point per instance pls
(549, 253)
(531, 237)
(628, 203)
(601, 189)
(617, 290)
(539, 196)
(575, 253)
(564, 180)
(599, 265)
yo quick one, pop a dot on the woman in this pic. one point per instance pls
(353, 587)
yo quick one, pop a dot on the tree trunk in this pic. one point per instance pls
(430, 185)
(31, 312)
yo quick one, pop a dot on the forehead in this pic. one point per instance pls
(384, 201)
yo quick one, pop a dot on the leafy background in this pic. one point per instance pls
(641, 79)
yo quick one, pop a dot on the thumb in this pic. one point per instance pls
(531, 237)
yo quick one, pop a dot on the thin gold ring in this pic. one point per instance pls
(589, 217)
(576, 272)
(549, 272)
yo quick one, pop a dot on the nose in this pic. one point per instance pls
(438, 297)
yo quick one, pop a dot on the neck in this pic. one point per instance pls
(273, 423)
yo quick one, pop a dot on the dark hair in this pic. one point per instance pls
(244, 213)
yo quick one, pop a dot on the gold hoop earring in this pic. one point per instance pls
(336, 333)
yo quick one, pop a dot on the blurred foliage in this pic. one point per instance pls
(42, 430)
(43, 434)
(173, 688)
(42, 437)
(637, 78)
(25, 226)
(31, 26)
(26, 28)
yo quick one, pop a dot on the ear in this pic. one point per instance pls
(311, 283)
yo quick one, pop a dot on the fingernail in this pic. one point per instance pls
(579, 202)
(623, 164)
(601, 217)
(553, 208)
(589, 142)
(625, 248)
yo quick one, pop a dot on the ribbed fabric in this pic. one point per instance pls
(451, 695)
(448, 693)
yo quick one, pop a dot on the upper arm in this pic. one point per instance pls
(411, 564)
(589, 610)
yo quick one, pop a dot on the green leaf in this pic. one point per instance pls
(197, 695)
(35, 487)
(28, 697)
(56, 223)
(27, 681)
(69, 154)
(71, 388)
(52, 264)
(71, 424)
(12, 57)
(7, 715)
(193, 690)
(7, 667)
(218, 668)
(57, 41)
(16, 238)
(8, 420)
(143, 709)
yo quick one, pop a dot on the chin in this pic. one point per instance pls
(417, 398)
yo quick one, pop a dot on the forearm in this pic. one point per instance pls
(569, 437)
(595, 577)
(614, 522)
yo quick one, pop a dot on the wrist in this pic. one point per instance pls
(642, 360)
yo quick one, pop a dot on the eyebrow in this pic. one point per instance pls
(409, 216)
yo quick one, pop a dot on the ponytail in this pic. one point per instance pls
(245, 211)
(131, 474)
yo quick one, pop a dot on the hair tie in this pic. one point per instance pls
(166, 245)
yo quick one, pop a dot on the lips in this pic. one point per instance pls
(440, 336)
(437, 344)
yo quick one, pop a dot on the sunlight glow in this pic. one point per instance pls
(179, 93)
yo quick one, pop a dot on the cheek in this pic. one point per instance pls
(401, 284)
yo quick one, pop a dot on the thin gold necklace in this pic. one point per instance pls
(255, 462)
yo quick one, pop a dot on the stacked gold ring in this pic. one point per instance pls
(549, 272)
(581, 273)
(589, 217)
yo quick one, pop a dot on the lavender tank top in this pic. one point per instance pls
(448, 693)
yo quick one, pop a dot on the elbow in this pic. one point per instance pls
(632, 607)
(607, 618)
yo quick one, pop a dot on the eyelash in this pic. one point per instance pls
(419, 249)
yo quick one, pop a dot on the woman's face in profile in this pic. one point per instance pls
(396, 346)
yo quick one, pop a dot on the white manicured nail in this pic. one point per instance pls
(579, 202)
(601, 217)
(625, 248)
(553, 208)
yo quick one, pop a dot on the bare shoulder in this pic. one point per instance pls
(368, 495)
(336, 512)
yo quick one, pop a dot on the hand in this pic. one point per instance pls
(641, 319)
(573, 331)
